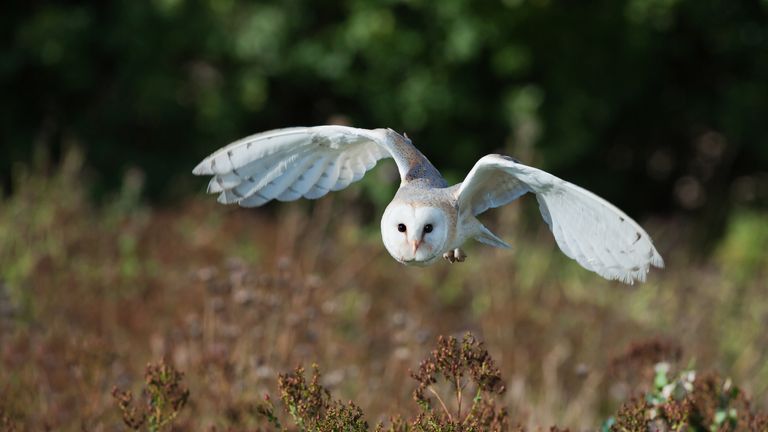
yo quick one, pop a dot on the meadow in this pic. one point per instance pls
(130, 300)
(91, 293)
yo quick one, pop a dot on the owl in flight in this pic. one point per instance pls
(428, 219)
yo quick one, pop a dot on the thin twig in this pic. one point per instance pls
(439, 399)
(474, 406)
(458, 395)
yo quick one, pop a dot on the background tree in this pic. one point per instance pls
(667, 98)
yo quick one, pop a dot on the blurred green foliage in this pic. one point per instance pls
(656, 104)
(742, 251)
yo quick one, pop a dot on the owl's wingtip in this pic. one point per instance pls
(202, 169)
(657, 261)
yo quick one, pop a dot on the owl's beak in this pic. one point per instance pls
(416, 244)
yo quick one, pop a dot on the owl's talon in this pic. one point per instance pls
(449, 256)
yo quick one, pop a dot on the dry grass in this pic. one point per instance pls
(90, 294)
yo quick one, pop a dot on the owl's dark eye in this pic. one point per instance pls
(401, 227)
(428, 228)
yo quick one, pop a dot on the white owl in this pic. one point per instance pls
(428, 219)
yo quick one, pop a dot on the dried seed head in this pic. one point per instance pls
(454, 360)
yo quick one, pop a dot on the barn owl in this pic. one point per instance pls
(428, 219)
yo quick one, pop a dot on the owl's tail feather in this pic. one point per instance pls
(486, 236)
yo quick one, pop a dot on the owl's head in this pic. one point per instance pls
(413, 234)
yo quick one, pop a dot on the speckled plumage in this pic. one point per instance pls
(427, 218)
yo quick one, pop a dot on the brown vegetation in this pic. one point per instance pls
(90, 294)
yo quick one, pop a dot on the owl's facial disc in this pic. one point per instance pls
(413, 234)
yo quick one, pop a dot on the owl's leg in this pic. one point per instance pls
(455, 255)
(459, 255)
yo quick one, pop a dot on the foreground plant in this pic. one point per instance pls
(688, 402)
(460, 375)
(473, 380)
(311, 407)
(164, 395)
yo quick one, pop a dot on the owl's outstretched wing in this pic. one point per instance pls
(587, 228)
(288, 164)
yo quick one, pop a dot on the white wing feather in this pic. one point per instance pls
(587, 228)
(287, 164)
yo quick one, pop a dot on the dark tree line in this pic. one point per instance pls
(659, 105)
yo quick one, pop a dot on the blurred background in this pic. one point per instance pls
(111, 257)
